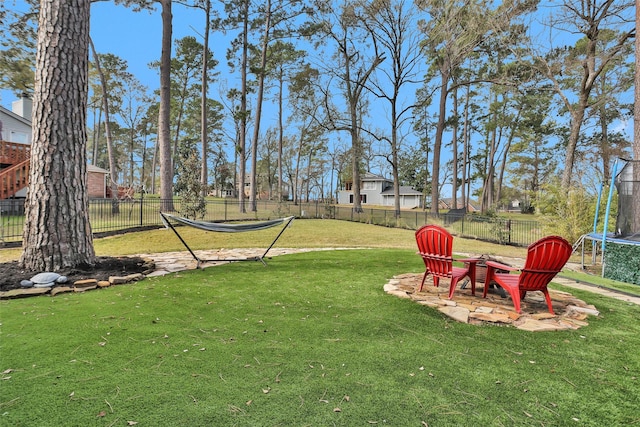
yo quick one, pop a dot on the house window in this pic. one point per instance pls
(348, 186)
(369, 185)
(363, 198)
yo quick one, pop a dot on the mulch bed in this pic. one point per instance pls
(11, 274)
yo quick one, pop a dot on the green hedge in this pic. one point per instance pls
(622, 262)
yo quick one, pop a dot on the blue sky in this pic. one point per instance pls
(135, 37)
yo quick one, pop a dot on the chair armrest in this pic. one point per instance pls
(500, 266)
(435, 256)
(469, 260)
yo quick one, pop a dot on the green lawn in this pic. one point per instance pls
(309, 340)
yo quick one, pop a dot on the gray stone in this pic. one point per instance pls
(457, 313)
(46, 277)
(44, 285)
(26, 284)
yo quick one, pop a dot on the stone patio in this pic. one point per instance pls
(571, 312)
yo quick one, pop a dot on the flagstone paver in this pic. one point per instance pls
(571, 312)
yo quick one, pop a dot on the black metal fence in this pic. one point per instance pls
(106, 217)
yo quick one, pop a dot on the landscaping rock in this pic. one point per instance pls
(85, 283)
(466, 308)
(457, 313)
(86, 288)
(61, 290)
(26, 292)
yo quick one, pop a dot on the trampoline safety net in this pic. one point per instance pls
(627, 209)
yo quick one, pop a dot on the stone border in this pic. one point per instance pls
(80, 285)
(571, 312)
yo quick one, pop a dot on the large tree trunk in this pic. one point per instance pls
(253, 192)
(636, 138)
(204, 135)
(454, 147)
(164, 137)
(242, 144)
(577, 116)
(437, 144)
(465, 152)
(113, 171)
(280, 137)
(395, 160)
(57, 231)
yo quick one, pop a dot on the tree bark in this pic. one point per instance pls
(636, 133)
(242, 144)
(113, 171)
(204, 135)
(454, 148)
(57, 232)
(253, 190)
(437, 144)
(164, 137)
(577, 116)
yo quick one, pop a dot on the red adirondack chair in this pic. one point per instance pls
(435, 246)
(545, 259)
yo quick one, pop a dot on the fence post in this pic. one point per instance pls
(141, 205)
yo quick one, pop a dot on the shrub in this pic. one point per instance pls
(189, 187)
(566, 213)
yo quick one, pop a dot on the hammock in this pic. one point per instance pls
(226, 228)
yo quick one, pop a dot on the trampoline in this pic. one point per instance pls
(626, 232)
(600, 239)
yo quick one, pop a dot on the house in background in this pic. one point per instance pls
(447, 204)
(263, 192)
(15, 150)
(377, 190)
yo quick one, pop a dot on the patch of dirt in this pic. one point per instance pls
(11, 274)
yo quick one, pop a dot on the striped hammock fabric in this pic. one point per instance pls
(227, 227)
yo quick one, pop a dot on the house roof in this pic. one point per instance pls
(15, 116)
(92, 168)
(404, 191)
(368, 176)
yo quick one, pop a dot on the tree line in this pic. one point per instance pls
(471, 100)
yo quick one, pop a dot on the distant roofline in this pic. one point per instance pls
(15, 116)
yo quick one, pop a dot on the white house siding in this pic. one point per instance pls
(377, 190)
(406, 201)
(14, 127)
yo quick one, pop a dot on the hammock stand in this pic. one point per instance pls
(226, 228)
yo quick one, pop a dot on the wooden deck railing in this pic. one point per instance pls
(12, 153)
(14, 177)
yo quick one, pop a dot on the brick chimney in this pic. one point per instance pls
(23, 106)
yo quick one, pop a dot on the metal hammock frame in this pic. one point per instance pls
(226, 228)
